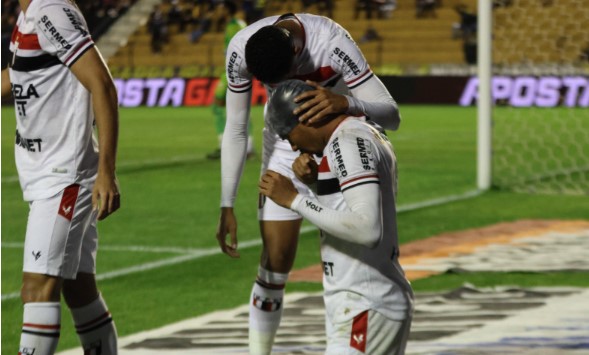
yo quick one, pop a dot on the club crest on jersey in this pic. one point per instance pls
(345, 60)
(365, 151)
(339, 161)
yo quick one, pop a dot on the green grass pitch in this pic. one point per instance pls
(170, 204)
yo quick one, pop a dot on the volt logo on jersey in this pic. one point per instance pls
(75, 21)
(26, 351)
(313, 206)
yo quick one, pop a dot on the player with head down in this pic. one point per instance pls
(368, 300)
(274, 49)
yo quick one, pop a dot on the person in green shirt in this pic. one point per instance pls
(234, 25)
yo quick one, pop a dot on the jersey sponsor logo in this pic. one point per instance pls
(22, 97)
(346, 60)
(313, 206)
(234, 63)
(328, 268)
(365, 154)
(75, 21)
(47, 27)
(336, 151)
(30, 144)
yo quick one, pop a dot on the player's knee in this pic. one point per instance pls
(40, 288)
(81, 291)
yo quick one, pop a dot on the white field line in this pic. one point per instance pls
(192, 254)
(131, 164)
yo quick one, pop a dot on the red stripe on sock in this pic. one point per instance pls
(42, 326)
(95, 320)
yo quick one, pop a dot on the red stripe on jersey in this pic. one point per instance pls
(358, 78)
(83, 45)
(323, 166)
(240, 85)
(320, 75)
(41, 326)
(27, 41)
(359, 178)
(14, 32)
(359, 332)
(68, 202)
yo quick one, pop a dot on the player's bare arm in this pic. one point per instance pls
(6, 87)
(321, 103)
(92, 72)
(227, 225)
(305, 168)
(278, 187)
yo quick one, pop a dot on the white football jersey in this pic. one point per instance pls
(55, 144)
(356, 277)
(329, 56)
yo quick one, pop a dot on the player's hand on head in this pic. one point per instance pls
(278, 188)
(305, 168)
(227, 225)
(320, 103)
(106, 198)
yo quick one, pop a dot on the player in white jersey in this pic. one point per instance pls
(61, 86)
(368, 300)
(305, 47)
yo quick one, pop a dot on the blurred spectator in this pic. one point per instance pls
(324, 7)
(502, 3)
(425, 8)
(467, 29)
(368, 6)
(254, 10)
(158, 27)
(204, 24)
(370, 35)
(387, 7)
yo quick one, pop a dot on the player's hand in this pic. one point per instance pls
(228, 225)
(278, 187)
(321, 103)
(106, 198)
(305, 168)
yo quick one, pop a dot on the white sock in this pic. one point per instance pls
(265, 310)
(40, 330)
(95, 328)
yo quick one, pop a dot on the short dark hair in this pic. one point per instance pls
(269, 54)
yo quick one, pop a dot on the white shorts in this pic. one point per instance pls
(61, 237)
(278, 156)
(367, 333)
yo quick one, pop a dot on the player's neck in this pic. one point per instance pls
(296, 30)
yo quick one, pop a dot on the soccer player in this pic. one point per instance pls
(368, 300)
(233, 26)
(61, 86)
(306, 47)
